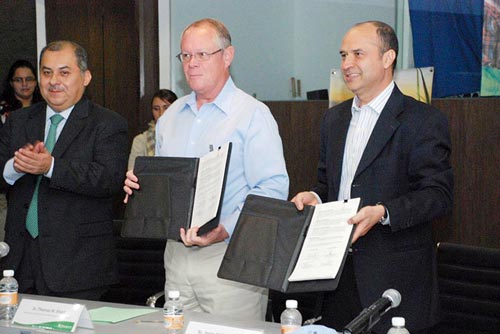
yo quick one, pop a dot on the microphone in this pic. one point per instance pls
(364, 322)
(4, 249)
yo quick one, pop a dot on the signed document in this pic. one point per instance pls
(326, 242)
(209, 186)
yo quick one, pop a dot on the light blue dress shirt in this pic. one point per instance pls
(257, 165)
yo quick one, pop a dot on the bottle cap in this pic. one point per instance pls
(291, 303)
(398, 322)
(8, 273)
(173, 294)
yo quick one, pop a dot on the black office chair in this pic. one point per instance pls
(140, 267)
(469, 289)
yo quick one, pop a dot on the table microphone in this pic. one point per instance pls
(364, 322)
(4, 249)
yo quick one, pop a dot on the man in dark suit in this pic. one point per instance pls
(393, 152)
(59, 216)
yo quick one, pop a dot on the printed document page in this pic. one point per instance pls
(209, 183)
(326, 241)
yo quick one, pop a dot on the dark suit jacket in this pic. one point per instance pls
(406, 166)
(75, 205)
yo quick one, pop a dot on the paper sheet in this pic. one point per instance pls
(209, 183)
(195, 327)
(116, 314)
(326, 241)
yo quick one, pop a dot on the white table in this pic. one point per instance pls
(132, 326)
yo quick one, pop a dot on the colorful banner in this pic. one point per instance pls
(447, 36)
(490, 78)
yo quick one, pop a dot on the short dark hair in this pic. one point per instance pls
(387, 37)
(166, 95)
(80, 53)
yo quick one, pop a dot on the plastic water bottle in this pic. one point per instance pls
(398, 326)
(8, 295)
(291, 319)
(173, 313)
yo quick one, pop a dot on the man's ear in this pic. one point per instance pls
(388, 58)
(87, 77)
(228, 55)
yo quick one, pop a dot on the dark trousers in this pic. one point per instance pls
(31, 279)
(343, 304)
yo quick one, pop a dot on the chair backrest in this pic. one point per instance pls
(140, 266)
(469, 289)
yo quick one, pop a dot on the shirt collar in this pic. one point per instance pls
(378, 103)
(222, 101)
(65, 113)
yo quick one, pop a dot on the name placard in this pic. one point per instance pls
(195, 327)
(51, 315)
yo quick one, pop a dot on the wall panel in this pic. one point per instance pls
(475, 135)
(121, 38)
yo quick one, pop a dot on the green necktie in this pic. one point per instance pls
(32, 217)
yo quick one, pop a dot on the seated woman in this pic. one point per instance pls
(21, 88)
(144, 143)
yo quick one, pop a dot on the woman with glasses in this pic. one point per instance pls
(21, 88)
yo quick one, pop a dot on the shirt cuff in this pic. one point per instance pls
(9, 173)
(49, 173)
(317, 197)
(387, 221)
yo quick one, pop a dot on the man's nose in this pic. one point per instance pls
(346, 63)
(53, 79)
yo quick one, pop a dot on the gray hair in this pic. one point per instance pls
(223, 37)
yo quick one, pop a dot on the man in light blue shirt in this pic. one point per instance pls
(217, 112)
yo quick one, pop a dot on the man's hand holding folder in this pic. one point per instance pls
(191, 237)
(177, 198)
(277, 246)
(364, 219)
(131, 184)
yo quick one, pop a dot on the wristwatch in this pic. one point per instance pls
(384, 217)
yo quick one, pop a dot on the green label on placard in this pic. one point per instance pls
(63, 326)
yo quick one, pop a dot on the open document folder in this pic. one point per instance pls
(278, 247)
(177, 192)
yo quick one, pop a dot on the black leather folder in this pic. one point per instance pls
(166, 198)
(265, 246)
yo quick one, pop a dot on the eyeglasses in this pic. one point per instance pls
(199, 56)
(21, 80)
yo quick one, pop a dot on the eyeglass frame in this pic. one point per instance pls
(21, 80)
(199, 56)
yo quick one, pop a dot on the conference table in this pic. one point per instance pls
(146, 324)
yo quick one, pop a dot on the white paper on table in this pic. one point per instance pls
(195, 327)
(326, 241)
(210, 179)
